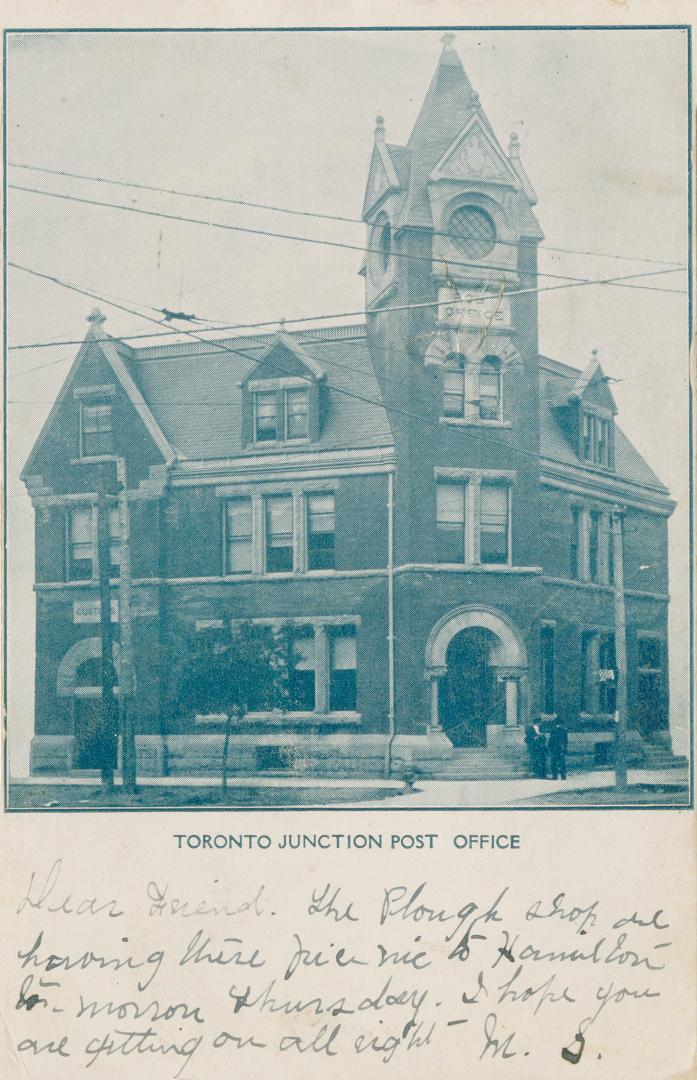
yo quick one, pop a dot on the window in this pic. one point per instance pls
(384, 245)
(320, 532)
(454, 386)
(281, 416)
(472, 232)
(265, 418)
(607, 678)
(595, 439)
(650, 703)
(450, 523)
(240, 551)
(82, 544)
(342, 670)
(301, 671)
(296, 402)
(547, 669)
(575, 542)
(594, 545)
(494, 530)
(490, 389)
(95, 429)
(279, 533)
(599, 678)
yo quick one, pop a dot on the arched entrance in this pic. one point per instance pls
(470, 695)
(79, 678)
(477, 664)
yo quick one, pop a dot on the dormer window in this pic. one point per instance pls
(281, 415)
(265, 418)
(596, 439)
(96, 437)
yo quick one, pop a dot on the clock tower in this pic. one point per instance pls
(450, 278)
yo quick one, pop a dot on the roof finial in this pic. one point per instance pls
(447, 40)
(513, 146)
(282, 325)
(594, 354)
(96, 317)
(379, 128)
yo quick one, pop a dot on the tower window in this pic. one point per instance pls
(490, 389)
(385, 245)
(454, 386)
(472, 232)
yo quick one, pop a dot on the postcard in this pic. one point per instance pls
(348, 673)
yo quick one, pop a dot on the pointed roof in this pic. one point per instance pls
(592, 385)
(293, 346)
(449, 104)
(111, 349)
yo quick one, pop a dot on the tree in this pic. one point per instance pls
(235, 670)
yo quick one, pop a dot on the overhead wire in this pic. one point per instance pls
(303, 213)
(469, 264)
(389, 407)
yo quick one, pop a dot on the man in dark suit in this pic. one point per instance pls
(558, 746)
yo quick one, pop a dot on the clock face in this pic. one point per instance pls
(472, 232)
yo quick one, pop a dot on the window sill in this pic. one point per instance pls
(93, 459)
(456, 421)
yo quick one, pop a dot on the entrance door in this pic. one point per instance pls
(89, 751)
(470, 695)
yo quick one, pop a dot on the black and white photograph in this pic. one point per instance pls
(348, 419)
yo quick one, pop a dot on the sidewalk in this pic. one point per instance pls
(489, 793)
(352, 793)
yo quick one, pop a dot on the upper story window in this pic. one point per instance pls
(450, 523)
(281, 415)
(279, 519)
(472, 232)
(591, 552)
(239, 546)
(596, 439)
(494, 523)
(490, 397)
(96, 436)
(473, 521)
(82, 561)
(454, 386)
(320, 532)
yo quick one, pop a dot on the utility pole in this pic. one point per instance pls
(620, 653)
(109, 729)
(126, 704)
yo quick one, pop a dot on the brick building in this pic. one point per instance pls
(421, 500)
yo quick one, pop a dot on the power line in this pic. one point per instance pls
(387, 406)
(397, 307)
(306, 213)
(336, 243)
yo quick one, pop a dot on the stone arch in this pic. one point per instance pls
(77, 654)
(509, 653)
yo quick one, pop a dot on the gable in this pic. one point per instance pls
(475, 155)
(95, 375)
(284, 359)
(382, 178)
(597, 392)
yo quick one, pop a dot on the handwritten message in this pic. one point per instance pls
(224, 974)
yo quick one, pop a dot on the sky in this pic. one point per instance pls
(287, 119)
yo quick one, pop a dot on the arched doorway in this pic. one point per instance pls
(471, 696)
(477, 664)
(79, 678)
